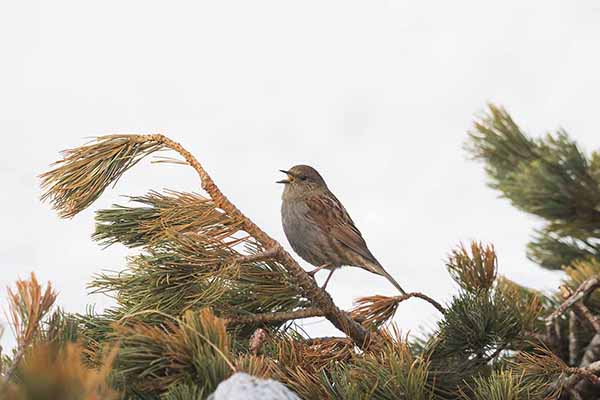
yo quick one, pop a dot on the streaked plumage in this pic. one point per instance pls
(319, 228)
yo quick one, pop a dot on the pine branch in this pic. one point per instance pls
(553, 251)
(52, 371)
(549, 177)
(192, 348)
(28, 305)
(475, 271)
(376, 310)
(574, 345)
(582, 293)
(589, 358)
(592, 351)
(582, 378)
(322, 299)
(578, 374)
(323, 339)
(262, 256)
(275, 316)
(162, 214)
(580, 271)
(587, 314)
(477, 324)
(85, 172)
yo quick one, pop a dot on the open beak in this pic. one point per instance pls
(285, 181)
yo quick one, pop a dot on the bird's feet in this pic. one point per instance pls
(327, 280)
(320, 267)
(314, 271)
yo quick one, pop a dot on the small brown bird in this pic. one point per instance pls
(319, 228)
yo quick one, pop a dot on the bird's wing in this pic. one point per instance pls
(331, 217)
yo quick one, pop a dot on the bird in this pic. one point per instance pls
(319, 228)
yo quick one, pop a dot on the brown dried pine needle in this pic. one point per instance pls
(49, 371)
(476, 270)
(172, 211)
(375, 310)
(27, 306)
(84, 172)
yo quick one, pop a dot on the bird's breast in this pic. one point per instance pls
(305, 237)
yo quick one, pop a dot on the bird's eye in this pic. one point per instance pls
(302, 178)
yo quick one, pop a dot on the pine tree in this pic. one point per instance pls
(548, 177)
(209, 294)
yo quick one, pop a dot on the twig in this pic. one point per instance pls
(262, 256)
(423, 296)
(587, 314)
(578, 374)
(592, 351)
(325, 339)
(13, 366)
(582, 292)
(573, 339)
(275, 316)
(559, 337)
(320, 298)
(552, 337)
(581, 309)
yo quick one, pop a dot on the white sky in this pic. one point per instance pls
(377, 95)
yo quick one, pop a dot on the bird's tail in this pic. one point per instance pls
(393, 282)
(378, 269)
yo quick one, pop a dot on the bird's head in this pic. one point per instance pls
(302, 179)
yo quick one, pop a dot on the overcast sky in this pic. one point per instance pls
(377, 95)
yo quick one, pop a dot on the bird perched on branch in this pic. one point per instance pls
(319, 228)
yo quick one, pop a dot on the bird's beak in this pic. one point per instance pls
(285, 181)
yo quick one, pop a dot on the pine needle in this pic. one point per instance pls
(474, 271)
(374, 310)
(49, 371)
(27, 307)
(172, 212)
(195, 347)
(85, 172)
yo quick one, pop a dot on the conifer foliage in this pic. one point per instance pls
(549, 177)
(209, 294)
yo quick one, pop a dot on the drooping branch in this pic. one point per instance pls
(85, 172)
(361, 336)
